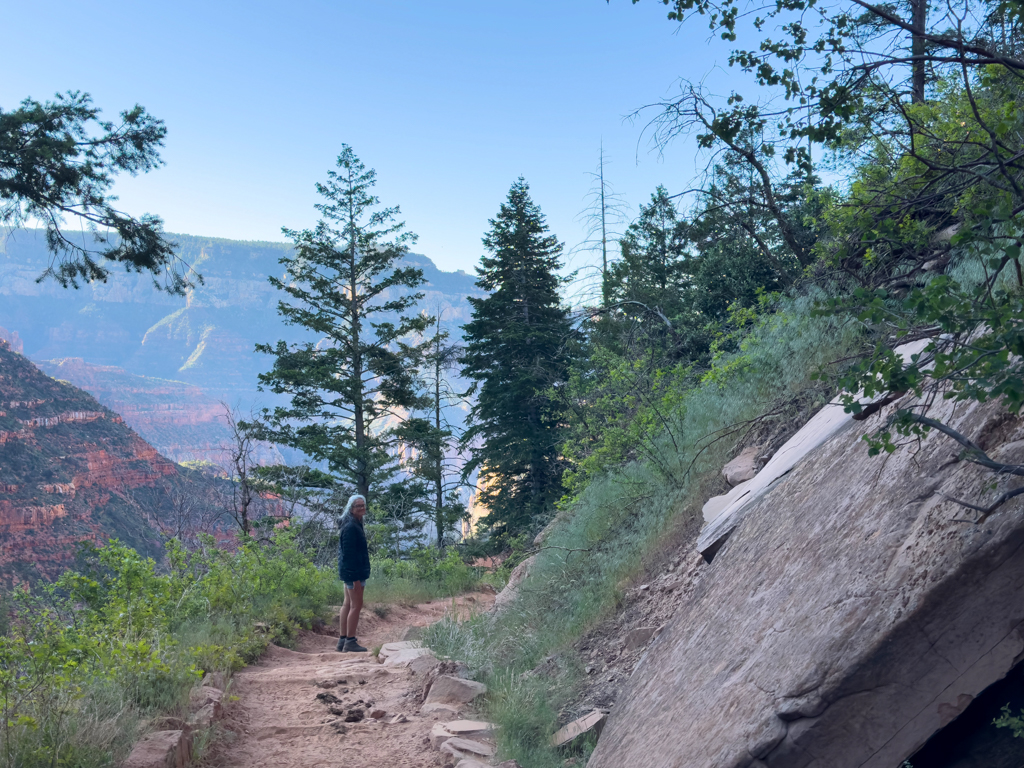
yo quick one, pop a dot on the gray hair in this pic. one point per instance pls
(351, 501)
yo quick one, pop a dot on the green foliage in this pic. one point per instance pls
(516, 350)
(85, 659)
(344, 285)
(426, 574)
(433, 439)
(623, 512)
(652, 270)
(1008, 720)
(975, 342)
(59, 159)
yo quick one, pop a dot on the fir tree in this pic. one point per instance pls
(652, 270)
(515, 353)
(345, 284)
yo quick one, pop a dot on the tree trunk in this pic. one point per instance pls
(439, 456)
(919, 20)
(362, 476)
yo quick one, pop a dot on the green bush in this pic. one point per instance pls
(85, 660)
(427, 574)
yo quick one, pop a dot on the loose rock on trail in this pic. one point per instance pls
(317, 708)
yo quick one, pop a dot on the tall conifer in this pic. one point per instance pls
(345, 283)
(515, 353)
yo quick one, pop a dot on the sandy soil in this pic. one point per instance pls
(274, 717)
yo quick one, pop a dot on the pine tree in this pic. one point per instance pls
(515, 353)
(344, 283)
(652, 270)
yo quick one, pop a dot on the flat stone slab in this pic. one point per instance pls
(439, 734)
(571, 733)
(722, 514)
(460, 747)
(389, 649)
(471, 728)
(406, 657)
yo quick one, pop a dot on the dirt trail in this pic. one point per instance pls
(274, 718)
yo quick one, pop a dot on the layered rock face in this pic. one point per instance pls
(181, 421)
(205, 340)
(849, 616)
(71, 471)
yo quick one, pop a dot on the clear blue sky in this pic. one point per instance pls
(450, 101)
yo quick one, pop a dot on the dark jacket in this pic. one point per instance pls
(353, 555)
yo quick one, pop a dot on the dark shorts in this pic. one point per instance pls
(351, 584)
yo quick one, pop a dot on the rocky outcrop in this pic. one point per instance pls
(180, 420)
(11, 340)
(850, 614)
(71, 471)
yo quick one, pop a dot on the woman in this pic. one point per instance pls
(353, 570)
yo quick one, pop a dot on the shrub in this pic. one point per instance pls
(84, 660)
(427, 574)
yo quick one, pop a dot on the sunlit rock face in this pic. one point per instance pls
(72, 471)
(849, 617)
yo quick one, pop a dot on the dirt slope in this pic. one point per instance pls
(275, 719)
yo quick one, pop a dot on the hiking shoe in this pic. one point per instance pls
(341, 643)
(351, 646)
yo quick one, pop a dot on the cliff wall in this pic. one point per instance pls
(852, 613)
(204, 340)
(70, 471)
(180, 420)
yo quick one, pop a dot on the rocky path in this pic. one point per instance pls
(317, 708)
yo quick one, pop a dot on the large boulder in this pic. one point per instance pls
(848, 617)
(518, 575)
(451, 694)
(162, 749)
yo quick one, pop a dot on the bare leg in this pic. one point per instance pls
(343, 617)
(354, 602)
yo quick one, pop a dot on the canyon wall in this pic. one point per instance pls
(72, 471)
(204, 340)
(180, 420)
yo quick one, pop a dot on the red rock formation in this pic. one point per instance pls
(14, 517)
(179, 419)
(70, 471)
